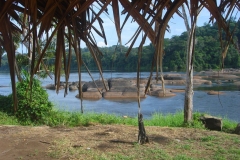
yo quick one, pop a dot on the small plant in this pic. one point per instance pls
(33, 103)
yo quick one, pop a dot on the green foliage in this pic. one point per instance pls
(22, 61)
(207, 53)
(6, 104)
(33, 103)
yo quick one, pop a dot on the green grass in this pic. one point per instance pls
(228, 125)
(6, 119)
(208, 138)
(73, 119)
(208, 147)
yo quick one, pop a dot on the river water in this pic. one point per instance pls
(225, 106)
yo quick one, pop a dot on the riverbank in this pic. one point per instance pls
(69, 119)
(115, 142)
(68, 135)
(103, 136)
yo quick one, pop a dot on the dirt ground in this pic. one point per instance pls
(24, 142)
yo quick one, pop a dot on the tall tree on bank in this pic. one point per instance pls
(188, 100)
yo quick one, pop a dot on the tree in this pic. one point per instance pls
(188, 100)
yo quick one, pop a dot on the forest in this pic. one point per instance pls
(206, 56)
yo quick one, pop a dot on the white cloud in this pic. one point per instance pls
(101, 44)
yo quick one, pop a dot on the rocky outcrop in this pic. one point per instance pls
(169, 82)
(112, 95)
(223, 76)
(96, 84)
(154, 87)
(73, 87)
(93, 90)
(142, 81)
(177, 90)
(120, 82)
(173, 77)
(122, 95)
(93, 95)
(160, 93)
(123, 88)
(175, 82)
(212, 123)
(50, 87)
(197, 77)
(183, 82)
(237, 83)
(201, 81)
(214, 93)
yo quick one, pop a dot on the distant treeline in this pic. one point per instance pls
(207, 53)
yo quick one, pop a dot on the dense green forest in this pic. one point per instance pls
(207, 54)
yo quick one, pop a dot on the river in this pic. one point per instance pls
(225, 106)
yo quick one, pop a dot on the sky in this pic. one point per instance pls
(176, 24)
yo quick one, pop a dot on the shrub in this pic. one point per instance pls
(33, 103)
(6, 104)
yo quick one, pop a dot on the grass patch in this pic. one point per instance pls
(170, 120)
(201, 145)
(6, 119)
(73, 119)
(208, 138)
(228, 125)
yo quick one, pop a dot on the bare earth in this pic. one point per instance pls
(24, 142)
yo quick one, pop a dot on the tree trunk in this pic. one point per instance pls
(142, 136)
(188, 100)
